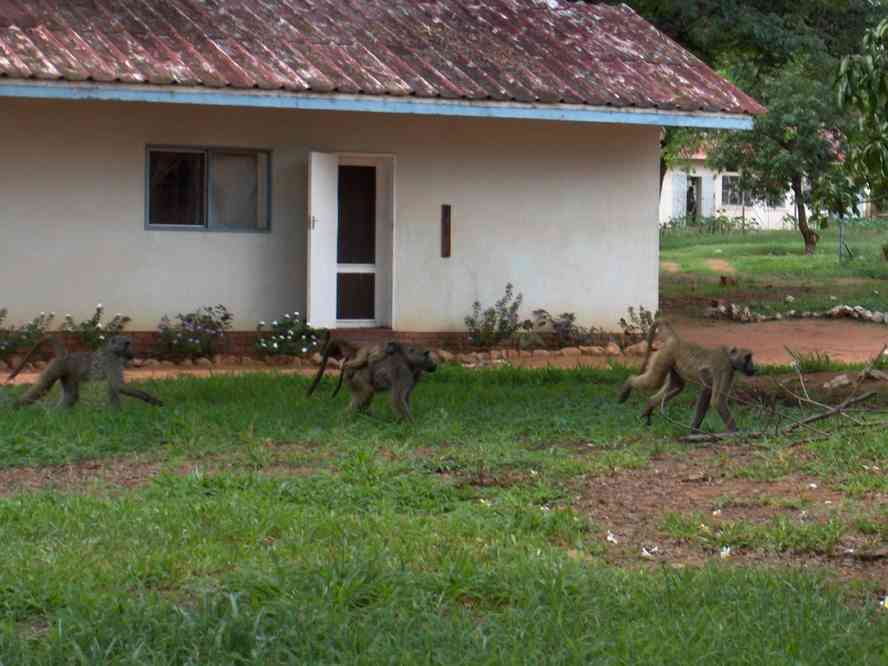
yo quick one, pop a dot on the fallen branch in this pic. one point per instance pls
(830, 412)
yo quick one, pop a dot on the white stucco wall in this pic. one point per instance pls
(567, 212)
(672, 200)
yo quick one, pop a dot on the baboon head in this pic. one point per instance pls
(122, 346)
(416, 357)
(741, 359)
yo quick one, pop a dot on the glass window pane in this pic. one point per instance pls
(176, 188)
(239, 190)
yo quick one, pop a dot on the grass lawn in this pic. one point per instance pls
(769, 265)
(244, 523)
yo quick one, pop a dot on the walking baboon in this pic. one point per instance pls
(386, 367)
(71, 369)
(677, 362)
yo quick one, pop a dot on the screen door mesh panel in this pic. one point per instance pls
(356, 296)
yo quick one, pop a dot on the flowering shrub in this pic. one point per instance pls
(495, 324)
(13, 338)
(92, 332)
(639, 322)
(195, 334)
(564, 326)
(288, 336)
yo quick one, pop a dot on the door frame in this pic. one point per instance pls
(386, 218)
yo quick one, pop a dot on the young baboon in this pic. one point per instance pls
(677, 362)
(387, 367)
(71, 369)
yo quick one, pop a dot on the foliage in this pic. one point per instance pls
(196, 333)
(797, 142)
(288, 336)
(92, 332)
(639, 322)
(497, 323)
(720, 223)
(564, 326)
(862, 87)
(13, 338)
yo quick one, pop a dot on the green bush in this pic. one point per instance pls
(288, 336)
(13, 338)
(92, 332)
(195, 334)
(495, 324)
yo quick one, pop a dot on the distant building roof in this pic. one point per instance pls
(542, 52)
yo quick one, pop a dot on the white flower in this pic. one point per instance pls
(304, 349)
(262, 323)
(275, 345)
(286, 316)
(99, 325)
(42, 314)
(884, 603)
(725, 552)
(274, 323)
(98, 306)
(68, 316)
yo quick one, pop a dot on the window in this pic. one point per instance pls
(731, 195)
(209, 189)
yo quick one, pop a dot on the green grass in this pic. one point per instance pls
(771, 265)
(300, 535)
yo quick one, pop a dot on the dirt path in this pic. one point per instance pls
(670, 266)
(720, 266)
(843, 340)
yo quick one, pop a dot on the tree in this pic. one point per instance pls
(795, 146)
(862, 87)
(750, 40)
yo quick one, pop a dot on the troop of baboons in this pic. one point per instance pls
(397, 368)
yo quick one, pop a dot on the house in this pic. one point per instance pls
(381, 163)
(697, 191)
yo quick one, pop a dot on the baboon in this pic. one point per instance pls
(677, 362)
(386, 367)
(71, 369)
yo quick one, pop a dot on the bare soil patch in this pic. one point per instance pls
(670, 266)
(128, 473)
(720, 266)
(632, 506)
(844, 340)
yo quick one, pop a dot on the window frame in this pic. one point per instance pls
(746, 199)
(207, 152)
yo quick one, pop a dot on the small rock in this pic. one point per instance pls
(496, 354)
(445, 356)
(483, 356)
(593, 351)
(839, 381)
(541, 353)
(203, 362)
(468, 358)
(316, 358)
(166, 364)
(217, 359)
(571, 351)
(138, 363)
(39, 366)
(186, 362)
(638, 349)
(613, 349)
(150, 363)
(524, 353)
(778, 317)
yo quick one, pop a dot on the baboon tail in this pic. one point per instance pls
(324, 356)
(339, 383)
(28, 356)
(652, 333)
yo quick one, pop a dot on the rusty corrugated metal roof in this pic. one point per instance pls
(539, 51)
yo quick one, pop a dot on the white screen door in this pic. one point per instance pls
(323, 220)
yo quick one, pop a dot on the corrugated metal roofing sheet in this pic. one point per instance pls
(540, 51)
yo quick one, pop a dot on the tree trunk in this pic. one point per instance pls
(811, 237)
